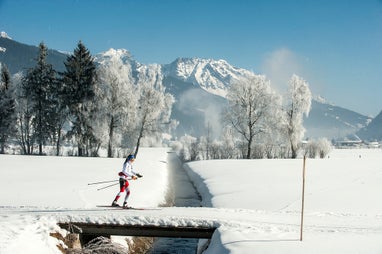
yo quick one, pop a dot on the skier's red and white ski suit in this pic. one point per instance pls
(126, 174)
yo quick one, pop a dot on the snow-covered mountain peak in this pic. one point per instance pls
(117, 52)
(122, 63)
(112, 53)
(4, 35)
(322, 100)
(212, 75)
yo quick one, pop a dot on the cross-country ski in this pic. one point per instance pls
(129, 207)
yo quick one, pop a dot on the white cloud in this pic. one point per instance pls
(279, 66)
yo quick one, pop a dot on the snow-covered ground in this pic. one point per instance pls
(343, 212)
(255, 204)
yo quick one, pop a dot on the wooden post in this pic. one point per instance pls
(303, 198)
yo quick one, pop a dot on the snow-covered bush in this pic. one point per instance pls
(186, 148)
(318, 148)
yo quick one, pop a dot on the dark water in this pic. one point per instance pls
(182, 194)
(175, 246)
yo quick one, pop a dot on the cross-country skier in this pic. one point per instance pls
(127, 172)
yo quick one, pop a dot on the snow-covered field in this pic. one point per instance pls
(256, 203)
(343, 211)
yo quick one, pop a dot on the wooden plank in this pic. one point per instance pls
(140, 230)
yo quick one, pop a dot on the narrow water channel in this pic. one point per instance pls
(182, 193)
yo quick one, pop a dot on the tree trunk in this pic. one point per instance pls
(293, 150)
(248, 150)
(109, 150)
(140, 134)
(250, 140)
(111, 134)
(137, 146)
(80, 150)
(58, 142)
(138, 142)
(40, 135)
(2, 149)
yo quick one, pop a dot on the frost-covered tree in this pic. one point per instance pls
(7, 108)
(318, 148)
(154, 111)
(251, 103)
(38, 85)
(298, 103)
(228, 145)
(116, 93)
(186, 148)
(324, 147)
(24, 134)
(205, 144)
(79, 80)
(225, 148)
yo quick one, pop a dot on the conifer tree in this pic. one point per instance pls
(38, 85)
(79, 81)
(58, 114)
(7, 108)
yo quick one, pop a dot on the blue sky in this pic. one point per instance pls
(335, 45)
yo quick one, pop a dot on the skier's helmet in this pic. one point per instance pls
(130, 157)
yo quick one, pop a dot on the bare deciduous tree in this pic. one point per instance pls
(251, 102)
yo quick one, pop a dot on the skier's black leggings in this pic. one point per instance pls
(123, 184)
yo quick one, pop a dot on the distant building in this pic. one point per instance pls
(348, 143)
(374, 144)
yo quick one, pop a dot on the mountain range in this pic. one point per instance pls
(199, 86)
(20, 57)
(373, 131)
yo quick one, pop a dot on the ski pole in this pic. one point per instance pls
(103, 182)
(107, 186)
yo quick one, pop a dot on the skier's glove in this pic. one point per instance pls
(134, 177)
(139, 175)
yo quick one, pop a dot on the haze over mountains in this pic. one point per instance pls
(199, 86)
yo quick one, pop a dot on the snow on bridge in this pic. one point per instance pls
(193, 217)
(149, 222)
(181, 217)
(186, 222)
(179, 222)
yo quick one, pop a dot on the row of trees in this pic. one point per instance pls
(87, 105)
(259, 124)
(7, 109)
(105, 105)
(191, 148)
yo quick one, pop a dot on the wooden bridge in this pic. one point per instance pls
(89, 231)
